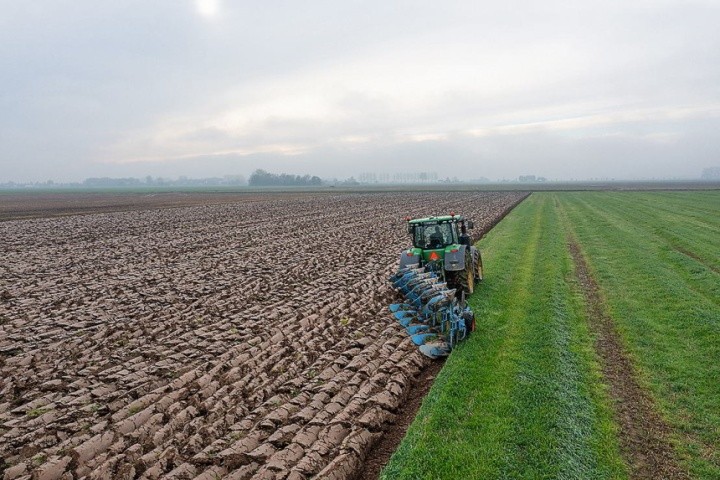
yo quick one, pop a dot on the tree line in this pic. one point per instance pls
(182, 181)
(261, 178)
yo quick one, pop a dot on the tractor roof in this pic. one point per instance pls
(442, 218)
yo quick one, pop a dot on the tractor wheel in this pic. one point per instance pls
(465, 279)
(479, 269)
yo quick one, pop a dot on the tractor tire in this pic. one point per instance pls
(479, 268)
(465, 279)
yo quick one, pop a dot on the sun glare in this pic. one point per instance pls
(207, 8)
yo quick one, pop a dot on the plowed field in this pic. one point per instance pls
(244, 340)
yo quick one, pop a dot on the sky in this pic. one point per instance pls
(565, 90)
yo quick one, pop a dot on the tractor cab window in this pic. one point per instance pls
(434, 235)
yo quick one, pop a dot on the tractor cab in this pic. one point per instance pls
(439, 232)
(434, 235)
(444, 245)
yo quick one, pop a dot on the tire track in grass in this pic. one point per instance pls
(644, 436)
(697, 258)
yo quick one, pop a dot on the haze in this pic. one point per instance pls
(566, 90)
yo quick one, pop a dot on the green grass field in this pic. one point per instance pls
(525, 396)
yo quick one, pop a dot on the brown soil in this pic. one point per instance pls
(245, 339)
(384, 449)
(644, 436)
(17, 206)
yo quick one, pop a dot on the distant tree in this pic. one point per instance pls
(111, 182)
(261, 178)
(234, 180)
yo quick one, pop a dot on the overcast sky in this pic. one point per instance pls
(587, 89)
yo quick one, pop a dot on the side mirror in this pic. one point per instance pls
(470, 224)
(411, 229)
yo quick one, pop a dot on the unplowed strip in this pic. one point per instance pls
(643, 434)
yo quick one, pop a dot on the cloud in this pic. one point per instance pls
(92, 89)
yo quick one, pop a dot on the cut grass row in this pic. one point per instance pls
(656, 259)
(524, 396)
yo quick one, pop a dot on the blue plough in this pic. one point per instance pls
(433, 316)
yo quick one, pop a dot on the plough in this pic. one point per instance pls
(432, 314)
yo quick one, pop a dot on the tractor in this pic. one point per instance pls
(443, 245)
(434, 277)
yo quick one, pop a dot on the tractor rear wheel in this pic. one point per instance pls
(479, 269)
(465, 279)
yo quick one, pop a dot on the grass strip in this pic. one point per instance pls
(521, 398)
(663, 301)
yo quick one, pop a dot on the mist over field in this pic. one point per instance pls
(594, 89)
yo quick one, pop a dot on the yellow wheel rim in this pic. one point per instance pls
(470, 280)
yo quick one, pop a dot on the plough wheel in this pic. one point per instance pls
(469, 322)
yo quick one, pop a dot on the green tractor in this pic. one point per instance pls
(442, 244)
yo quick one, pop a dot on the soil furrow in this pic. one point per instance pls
(246, 339)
